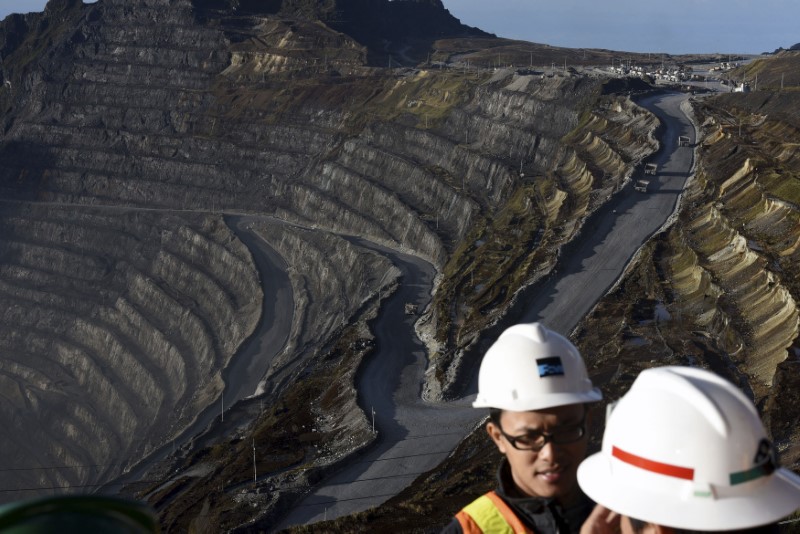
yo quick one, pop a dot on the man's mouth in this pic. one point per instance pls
(551, 476)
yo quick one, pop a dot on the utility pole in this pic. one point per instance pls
(373, 419)
(254, 462)
(222, 406)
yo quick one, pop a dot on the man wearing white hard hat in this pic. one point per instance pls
(685, 449)
(535, 384)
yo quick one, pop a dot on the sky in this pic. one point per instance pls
(671, 26)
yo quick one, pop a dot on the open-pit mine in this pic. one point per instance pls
(215, 213)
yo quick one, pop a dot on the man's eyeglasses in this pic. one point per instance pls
(535, 441)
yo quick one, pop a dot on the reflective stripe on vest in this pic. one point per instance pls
(489, 514)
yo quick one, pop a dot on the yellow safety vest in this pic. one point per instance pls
(489, 514)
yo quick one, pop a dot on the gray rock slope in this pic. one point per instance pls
(130, 127)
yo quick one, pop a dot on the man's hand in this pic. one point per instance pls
(601, 521)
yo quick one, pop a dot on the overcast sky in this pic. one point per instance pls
(673, 26)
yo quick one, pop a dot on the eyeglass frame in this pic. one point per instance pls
(549, 437)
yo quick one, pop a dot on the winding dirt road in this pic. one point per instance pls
(251, 361)
(415, 436)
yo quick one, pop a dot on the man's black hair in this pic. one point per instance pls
(494, 415)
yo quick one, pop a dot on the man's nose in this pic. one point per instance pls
(548, 452)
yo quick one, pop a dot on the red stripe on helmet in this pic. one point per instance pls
(650, 465)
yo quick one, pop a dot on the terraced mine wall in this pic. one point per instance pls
(719, 288)
(131, 127)
(115, 327)
(742, 231)
(580, 151)
(327, 273)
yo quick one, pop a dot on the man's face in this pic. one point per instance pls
(552, 471)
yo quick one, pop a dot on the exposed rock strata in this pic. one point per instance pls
(131, 104)
(570, 162)
(332, 280)
(187, 109)
(720, 288)
(115, 327)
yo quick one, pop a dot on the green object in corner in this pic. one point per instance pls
(73, 514)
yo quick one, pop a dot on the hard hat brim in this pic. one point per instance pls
(540, 402)
(774, 499)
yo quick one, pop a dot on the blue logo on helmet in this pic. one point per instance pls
(551, 366)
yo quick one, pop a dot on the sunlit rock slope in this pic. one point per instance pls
(720, 287)
(130, 129)
(717, 289)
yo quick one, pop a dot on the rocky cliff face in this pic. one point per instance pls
(128, 317)
(115, 327)
(131, 127)
(717, 289)
(720, 288)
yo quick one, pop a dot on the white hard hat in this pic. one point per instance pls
(532, 368)
(686, 449)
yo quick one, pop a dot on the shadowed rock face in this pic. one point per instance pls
(115, 326)
(384, 26)
(128, 126)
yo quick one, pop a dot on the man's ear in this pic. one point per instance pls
(494, 433)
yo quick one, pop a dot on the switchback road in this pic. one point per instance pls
(415, 436)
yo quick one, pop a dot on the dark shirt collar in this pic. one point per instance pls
(543, 515)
